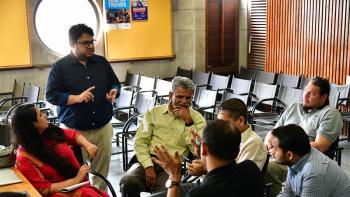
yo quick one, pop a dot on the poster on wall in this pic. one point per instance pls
(118, 14)
(139, 10)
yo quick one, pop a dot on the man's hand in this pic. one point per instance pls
(196, 142)
(86, 96)
(171, 165)
(150, 177)
(110, 96)
(183, 113)
(196, 168)
(91, 150)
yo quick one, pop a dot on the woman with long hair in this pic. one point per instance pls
(44, 155)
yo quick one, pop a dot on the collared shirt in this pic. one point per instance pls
(252, 148)
(161, 127)
(326, 121)
(69, 77)
(242, 179)
(316, 175)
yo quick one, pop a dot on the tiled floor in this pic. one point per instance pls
(116, 168)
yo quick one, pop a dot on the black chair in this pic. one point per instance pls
(163, 88)
(240, 88)
(205, 102)
(265, 77)
(286, 80)
(184, 73)
(334, 151)
(247, 73)
(303, 82)
(143, 102)
(78, 154)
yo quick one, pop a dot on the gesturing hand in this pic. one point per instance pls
(86, 96)
(110, 96)
(195, 141)
(196, 168)
(170, 164)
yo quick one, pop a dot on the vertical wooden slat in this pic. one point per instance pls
(309, 37)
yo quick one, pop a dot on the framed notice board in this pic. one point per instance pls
(14, 34)
(151, 39)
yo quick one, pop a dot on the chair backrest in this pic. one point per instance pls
(265, 77)
(247, 73)
(184, 73)
(132, 79)
(264, 91)
(290, 95)
(147, 83)
(288, 80)
(228, 95)
(163, 87)
(206, 98)
(240, 86)
(200, 78)
(144, 102)
(337, 92)
(218, 81)
(304, 81)
(125, 98)
(332, 149)
(31, 92)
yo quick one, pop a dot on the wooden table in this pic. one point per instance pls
(20, 187)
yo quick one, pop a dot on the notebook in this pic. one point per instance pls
(8, 176)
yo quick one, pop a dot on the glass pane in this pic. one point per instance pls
(53, 18)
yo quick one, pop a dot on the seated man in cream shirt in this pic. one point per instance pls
(168, 125)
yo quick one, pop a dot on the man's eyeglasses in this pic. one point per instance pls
(87, 43)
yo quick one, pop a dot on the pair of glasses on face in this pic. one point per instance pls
(87, 43)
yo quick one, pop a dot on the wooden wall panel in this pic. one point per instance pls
(309, 37)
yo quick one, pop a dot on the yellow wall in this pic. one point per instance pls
(14, 37)
(145, 40)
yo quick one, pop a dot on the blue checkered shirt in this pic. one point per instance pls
(316, 175)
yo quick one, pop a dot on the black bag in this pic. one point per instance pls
(7, 156)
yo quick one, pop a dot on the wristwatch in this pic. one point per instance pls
(170, 183)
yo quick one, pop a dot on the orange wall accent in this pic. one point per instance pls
(309, 37)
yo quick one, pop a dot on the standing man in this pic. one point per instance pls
(83, 86)
(168, 125)
(310, 173)
(321, 122)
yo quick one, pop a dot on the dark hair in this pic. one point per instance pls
(323, 85)
(76, 31)
(292, 138)
(222, 139)
(236, 108)
(26, 135)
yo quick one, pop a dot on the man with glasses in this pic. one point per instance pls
(321, 122)
(83, 86)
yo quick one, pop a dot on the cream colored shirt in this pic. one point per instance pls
(160, 127)
(252, 148)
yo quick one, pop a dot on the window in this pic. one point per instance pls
(54, 18)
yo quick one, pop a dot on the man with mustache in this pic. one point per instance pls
(321, 122)
(168, 125)
(83, 86)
